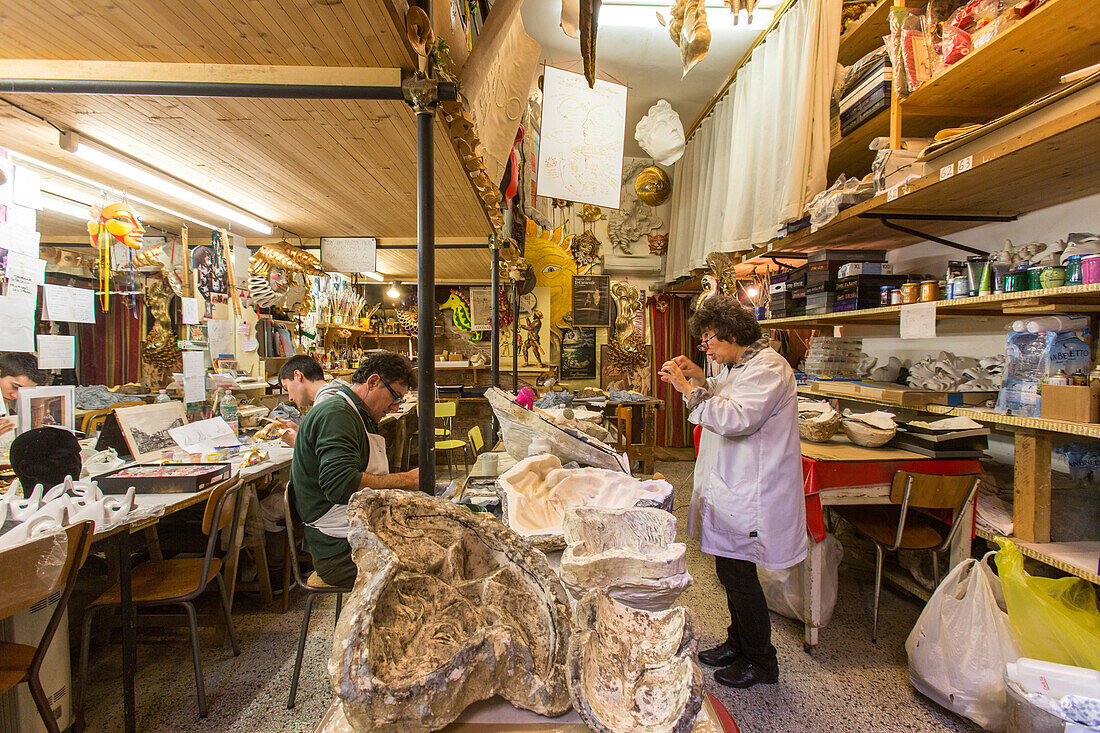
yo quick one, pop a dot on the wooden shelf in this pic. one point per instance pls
(851, 156)
(1069, 297)
(1062, 555)
(1021, 63)
(865, 34)
(340, 325)
(983, 415)
(1050, 164)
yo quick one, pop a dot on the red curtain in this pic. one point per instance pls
(669, 316)
(110, 347)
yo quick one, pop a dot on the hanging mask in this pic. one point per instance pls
(653, 186)
(120, 221)
(661, 134)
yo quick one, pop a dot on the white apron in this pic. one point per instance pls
(334, 522)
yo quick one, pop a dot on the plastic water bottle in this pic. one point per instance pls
(228, 409)
(163, 396)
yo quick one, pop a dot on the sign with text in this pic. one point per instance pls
(349, 254)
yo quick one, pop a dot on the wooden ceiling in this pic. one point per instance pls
(315, 168)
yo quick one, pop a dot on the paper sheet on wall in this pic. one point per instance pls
(221, 338)
(16, 323)
(190, 308)
(918, 321)
(204, 435)
(73, 305)
(17, 240)
(25, 274)
(194, 377)
(6, 186)
(27, 188)
(581, 146)
(56, 352)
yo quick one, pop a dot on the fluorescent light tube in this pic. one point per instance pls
(373, 276)
(68, 208)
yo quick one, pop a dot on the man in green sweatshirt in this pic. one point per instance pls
(338, 451)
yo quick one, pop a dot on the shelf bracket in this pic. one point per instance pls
(885, 219)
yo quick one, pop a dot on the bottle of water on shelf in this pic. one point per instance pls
(228, 409)
(163, 396)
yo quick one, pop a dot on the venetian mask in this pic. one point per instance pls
(653, 186)
(120, 221)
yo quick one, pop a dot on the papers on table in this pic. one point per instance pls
(56, 352)
(16, 323)
(74, 305)
(204, 436)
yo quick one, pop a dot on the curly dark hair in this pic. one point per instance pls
(394, 368)
(727, 319)
(24, 365)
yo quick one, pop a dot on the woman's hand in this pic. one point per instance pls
(692, 371)
(671, 373)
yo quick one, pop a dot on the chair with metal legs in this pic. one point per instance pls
(28, 583)
(178, 582)
(446, 411)
(894, 527)
(312, 586)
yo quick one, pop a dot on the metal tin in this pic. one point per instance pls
(895, 296)
(910, 293)
(1090, 269)
(1034, 278)
(884, 295)
(1061, 378)
(1079, 379)
(929, 291)
(1016, 281)
(960, 286)
(1052, 277)
(1073, 269)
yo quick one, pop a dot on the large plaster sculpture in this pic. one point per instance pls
(630, 553)
(632, 670)
(661, 134)
(449, 607)
(520, 426)
(537, 492)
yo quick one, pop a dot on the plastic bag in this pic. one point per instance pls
(785, 590)
(960, 645)
(1083, 460)
(1055, 619)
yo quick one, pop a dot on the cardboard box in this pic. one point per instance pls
(851, 269)
(1076, 404)
(847, 255)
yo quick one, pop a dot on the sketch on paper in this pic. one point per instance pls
(581, 144)
(146, 427)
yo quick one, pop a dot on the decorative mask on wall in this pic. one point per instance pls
(585, 248)
(661, 134)
(590, 213)
(658, 243)
(116, 222)
(633, 219)
(653, 186)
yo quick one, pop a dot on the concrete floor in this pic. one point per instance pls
(846, 684)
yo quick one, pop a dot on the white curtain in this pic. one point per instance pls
(763, 153)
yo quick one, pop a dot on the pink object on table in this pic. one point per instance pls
(526, 398)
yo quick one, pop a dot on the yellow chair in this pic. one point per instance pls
(475, 440)
(446, 411)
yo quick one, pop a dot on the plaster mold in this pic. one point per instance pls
(632, 670)
(630, 553)
(537, 491)
(449, 607)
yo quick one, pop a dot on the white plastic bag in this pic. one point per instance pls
(785, 590)
(960, 645)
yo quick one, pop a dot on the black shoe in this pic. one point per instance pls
(745, 675)
(720, 656)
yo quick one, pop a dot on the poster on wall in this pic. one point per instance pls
(349, 254)
(578, 353)
(534, 331)
(211, 271)
(592, 300)
(581, 143)
(481, 309)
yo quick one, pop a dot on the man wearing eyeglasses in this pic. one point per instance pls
(338, 451)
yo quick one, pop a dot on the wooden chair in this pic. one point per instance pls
(312, 586)
(93, 420)
(178, 582)
(894, 527)
(22, 588)
(624, 432)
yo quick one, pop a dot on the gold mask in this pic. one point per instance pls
(121, 222)
(653, 186)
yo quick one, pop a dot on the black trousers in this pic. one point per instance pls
(750, 629)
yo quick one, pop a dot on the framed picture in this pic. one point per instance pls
(638, 379)
(145, 427)
(578, 353)
(47, 407)
(592, 300)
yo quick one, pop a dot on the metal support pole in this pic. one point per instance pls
(422, 96)
(515, 337)
(494, 367)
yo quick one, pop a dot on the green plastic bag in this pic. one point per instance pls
(1055, 620)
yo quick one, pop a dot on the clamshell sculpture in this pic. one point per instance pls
(632, 670)
(449, 607)
(537, 491)
(630, 553)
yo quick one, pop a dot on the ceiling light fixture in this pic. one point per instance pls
(109, 189)
(373, 276)
(115, 163)
(58, 205)
(394, 292)
(643, 14)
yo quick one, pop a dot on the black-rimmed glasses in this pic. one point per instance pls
(703, 345)
(398, 398)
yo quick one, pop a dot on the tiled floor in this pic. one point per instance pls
(846, 684)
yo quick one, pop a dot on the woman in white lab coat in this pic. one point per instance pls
(747, 508)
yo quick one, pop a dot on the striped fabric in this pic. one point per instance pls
(109, 350)
(669, 316)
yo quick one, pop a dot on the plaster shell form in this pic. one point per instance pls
(630, 553)
(537, 492)
(449, 607)
(633, 670)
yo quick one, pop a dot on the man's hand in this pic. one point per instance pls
(291, 433)
(409, 480)
(6, 426)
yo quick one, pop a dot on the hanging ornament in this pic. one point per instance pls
(109, 224)
(590, 213)
(653, 186)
